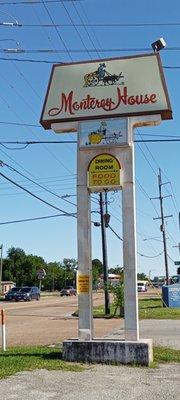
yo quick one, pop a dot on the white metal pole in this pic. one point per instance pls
(3, 330)
(84, 277)
(129, 249)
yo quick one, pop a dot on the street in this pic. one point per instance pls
(50, 322)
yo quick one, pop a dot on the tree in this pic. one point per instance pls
(142, 277)
(54, 279)
(97, 270)
(69, 266)
(22, 268)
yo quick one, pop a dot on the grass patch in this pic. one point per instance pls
(19, 359)
(148, 309)
(153, 309)
(165, 354)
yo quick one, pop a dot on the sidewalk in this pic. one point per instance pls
(163, 332)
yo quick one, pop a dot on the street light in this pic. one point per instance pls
(158, 45)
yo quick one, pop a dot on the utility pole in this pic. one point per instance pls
(104, 254)
(162, 227)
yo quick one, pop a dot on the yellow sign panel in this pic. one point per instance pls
(104, 172)
(82, 284)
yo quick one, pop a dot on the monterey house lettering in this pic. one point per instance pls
(69, 104)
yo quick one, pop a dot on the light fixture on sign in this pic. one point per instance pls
(158, 45)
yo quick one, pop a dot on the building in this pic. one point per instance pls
(6, 286)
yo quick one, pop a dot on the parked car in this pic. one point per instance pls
(11, 293)
(68, 291)
(28, 293)
(142, 287)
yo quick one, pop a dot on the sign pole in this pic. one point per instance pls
(129, 249)
(84, 278)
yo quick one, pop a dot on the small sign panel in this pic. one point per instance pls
(103, 133)
(104, 173)
(82, 284)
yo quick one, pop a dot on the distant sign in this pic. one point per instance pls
(103, 133)
(41, 273)
(176, 262)
(104, 173)
(106, 88)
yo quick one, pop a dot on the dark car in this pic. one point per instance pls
(11, 293)
(28, 293)
(68, 291)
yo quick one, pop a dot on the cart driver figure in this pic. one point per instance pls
(101, 71)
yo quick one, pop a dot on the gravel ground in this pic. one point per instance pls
(97, 382)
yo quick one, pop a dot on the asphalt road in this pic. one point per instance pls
(49, 321)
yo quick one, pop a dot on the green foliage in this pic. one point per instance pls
(22, 268)
(142, 277)
(54, 279)
(118, 295)
(153, 309)
(117, 271)
(97, 270)
(165, 354)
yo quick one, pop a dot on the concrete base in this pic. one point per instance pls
(108, 351)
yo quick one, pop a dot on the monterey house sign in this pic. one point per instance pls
(106, 88)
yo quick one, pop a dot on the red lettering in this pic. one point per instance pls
(69, 105)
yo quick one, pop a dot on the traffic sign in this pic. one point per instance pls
(176, 262)
(41, 273)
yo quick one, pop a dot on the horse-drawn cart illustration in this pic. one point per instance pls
(101, 76)
(103, 134)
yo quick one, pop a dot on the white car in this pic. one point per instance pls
(142, 287)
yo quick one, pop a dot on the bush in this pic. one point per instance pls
(118, 296)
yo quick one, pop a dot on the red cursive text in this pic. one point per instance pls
(68, 103)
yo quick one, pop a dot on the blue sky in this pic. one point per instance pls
(23, 87)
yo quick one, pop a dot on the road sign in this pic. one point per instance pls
(41, 273)
(176, 262)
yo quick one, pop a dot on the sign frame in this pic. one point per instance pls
(165, 113)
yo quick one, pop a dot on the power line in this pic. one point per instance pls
(35, 183)
(95, 25)
(69, 51)
(74, 26)
(37, 197)
(58, 62)
(142, 255)
(33, 2)
(34, 219)
(57, 31)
